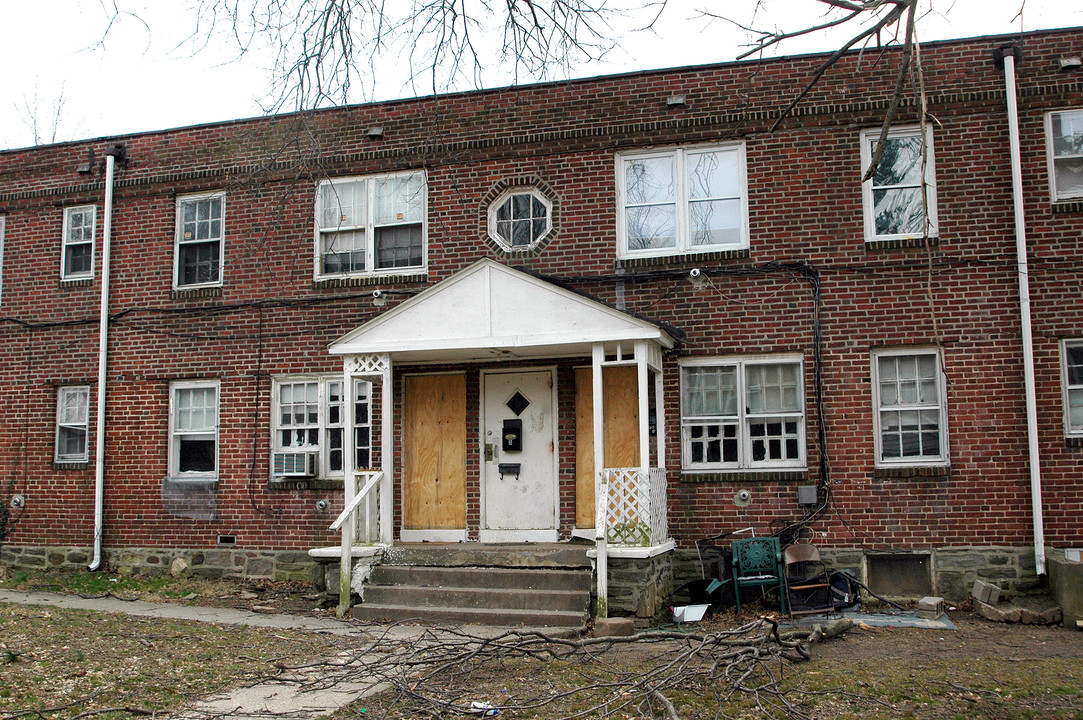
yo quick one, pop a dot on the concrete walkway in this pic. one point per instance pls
(291, 696)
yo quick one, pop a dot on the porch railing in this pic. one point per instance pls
(636, 510)
(347, 520)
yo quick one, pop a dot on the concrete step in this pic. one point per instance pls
(469, 616)
(540, 601)
(536, 555)
(483, 577)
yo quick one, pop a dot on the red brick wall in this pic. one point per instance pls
(270, 318)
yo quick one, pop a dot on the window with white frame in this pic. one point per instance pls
(2, 222)
(520, 219)
(682, 200)
(72, 417)
(193, 430)
(371, 225)
(900, 198)
(911, 412)
(200, 240)
(1071, 352)
(1064, 144)
(309, 418)
(742, 413)
(77, 244)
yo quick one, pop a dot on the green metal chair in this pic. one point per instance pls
(757, 562)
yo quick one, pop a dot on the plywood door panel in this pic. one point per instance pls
(434, 453)
(620, 424)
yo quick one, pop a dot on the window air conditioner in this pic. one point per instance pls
(296, 464)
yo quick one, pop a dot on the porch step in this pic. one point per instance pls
(465, 584)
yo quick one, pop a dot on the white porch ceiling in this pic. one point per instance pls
(489, 311)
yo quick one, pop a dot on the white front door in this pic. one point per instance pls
(519, 460)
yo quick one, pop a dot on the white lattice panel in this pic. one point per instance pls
(659, 512)
(367, 364)
(629, 507)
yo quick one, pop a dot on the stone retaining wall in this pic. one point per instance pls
(218, 563)
(639, 587)
(954, 568)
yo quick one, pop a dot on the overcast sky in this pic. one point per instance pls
(146, 74)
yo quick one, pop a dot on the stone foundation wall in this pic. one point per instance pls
(639, 587)
(218, 563)
(954, 568)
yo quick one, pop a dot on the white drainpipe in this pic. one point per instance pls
(103, 344)
(1009, 54)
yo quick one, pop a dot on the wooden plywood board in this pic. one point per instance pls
(620, 427)
(434, 453)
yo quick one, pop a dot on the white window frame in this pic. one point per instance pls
(1055, 194)
(3, 223)
(66, 243)
(940, 460)
(1067, 387)
(72, 423)
(744, 417)
(179, 240)
(869, 137)
(506, 197)
(324, 421)
(175, 435)
(369, 227)
(683, 244)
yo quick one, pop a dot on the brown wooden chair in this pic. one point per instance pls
(808, 587)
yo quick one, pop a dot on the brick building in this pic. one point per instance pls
(780, 345)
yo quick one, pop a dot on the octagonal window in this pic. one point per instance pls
(521, 219)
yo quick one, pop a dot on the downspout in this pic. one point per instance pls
(111, 155)
(1007, 56)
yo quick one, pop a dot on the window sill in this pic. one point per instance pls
(692, 257)
(1067, 206)
(704, 476)
(74, 283)
(277, 483)
(932, 471)
(197, 292)
(73, 465)
(900, 243)
(410, 276)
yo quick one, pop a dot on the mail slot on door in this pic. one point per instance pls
(512, 436)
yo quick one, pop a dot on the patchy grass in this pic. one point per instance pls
(61, 663)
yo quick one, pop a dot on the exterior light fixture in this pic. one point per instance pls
(378, 298)
(1070, 62)
(676, 101)
(375, 132)
(695, 276)
(85, 168)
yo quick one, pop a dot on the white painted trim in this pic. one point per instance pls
(196, 197)
(172, 448)
(370, 227)
(943, 460)
(64, 242)
(517, 536)
(682, 242)
(358, 551)
(1064, 344)
(60, 393)
(1054, 195)
(871, 135)
(436, 536)
(504, 197)
(639, 553)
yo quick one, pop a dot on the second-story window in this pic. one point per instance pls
(77, 245)
(370, 225)
(1064, 142)
(682, 200)
(200, 235)
(900, 198)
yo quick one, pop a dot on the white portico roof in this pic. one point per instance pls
(488, 311)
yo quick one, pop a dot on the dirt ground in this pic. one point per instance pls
(81, 661)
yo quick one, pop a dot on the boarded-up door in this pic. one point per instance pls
(434, 453)
(620, 405)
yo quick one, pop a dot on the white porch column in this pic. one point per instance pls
(659, 417)
(387, 454)
(601, 487)
(349, 486)
(642, 391)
